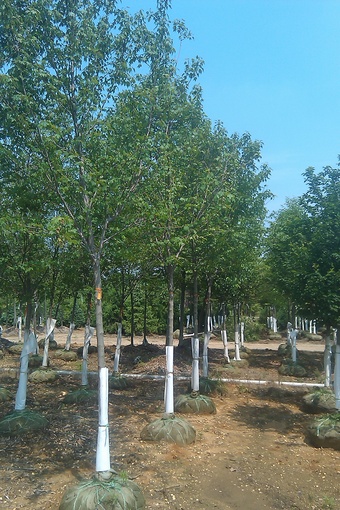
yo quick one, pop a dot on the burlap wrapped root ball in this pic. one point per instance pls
(118, 382)
(322, 400)
(5, 394)
(324, 431)
(35, 361)
(15, 349)
(83, 394)
(194, 403)
(22, 422)
(42, 375)
(66, 355)
(169, 428)
(106, 491)
(285, 350)
(288, 367)
(210, 386)
(52, 344)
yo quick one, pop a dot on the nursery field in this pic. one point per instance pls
(252, 454)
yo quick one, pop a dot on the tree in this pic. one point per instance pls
(303, 248)
(288, 246)
(63, 66)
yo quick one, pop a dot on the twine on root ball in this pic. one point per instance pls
(118, 382)
(21, 422)
(322, 400)
(324, 431)
(194, 403)
(83, 394)
(169, 428)
(42, 375)
(105, 491)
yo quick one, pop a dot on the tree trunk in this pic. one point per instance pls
(293, 337)
(237, 333)
(327, 358)
(224, 335)
(72, 325)
(207, 331)
(30, 346)
(181, 341)
(103, 443)
(69, 337)
(99, 316)
(117, 353)
(132, 316)
(50, 325)
(169, 376)
(145, 339)
(337, 371)
(195, 377)
(87, 340)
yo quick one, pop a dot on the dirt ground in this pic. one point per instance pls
(251, 455)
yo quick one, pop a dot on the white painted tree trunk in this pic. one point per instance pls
(29, 347)
(103, 440)
(274, 324)
(169, 380)
(327, 361)
(225, 345)
(205, 353)
(289, 330)
(237, 356)
(50, 325)
(293, 337)
(242, 333)
(337, 376)
(195, 375)
(118, 346)
(87, 339)
(69, 336)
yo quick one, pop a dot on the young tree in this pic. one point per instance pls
(63, 65)
(303, 247)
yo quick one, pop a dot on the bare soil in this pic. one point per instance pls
(252, 454)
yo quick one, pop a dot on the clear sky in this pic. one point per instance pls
(272, 68)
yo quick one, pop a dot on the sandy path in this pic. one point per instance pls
(215, 343)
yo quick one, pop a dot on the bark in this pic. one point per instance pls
(103, 449)
(117, 353)
(337, 372)
(50, 325)
(237, 333)
(181, 341)
(327, 358)
(207, 332)
(293, 337)
(103, 443)
(224, 335)
(69, 336)
(195, 380)
(169, 376)
(145, 339)
(87, 340)
(30, 346)
(132, 316)
(99, 313)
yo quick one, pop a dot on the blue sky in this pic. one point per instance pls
(272, 68)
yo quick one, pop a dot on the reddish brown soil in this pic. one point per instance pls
(251, 455)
